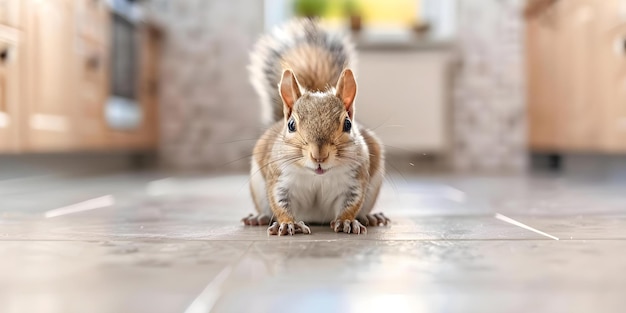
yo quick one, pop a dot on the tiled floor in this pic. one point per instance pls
(149, 243)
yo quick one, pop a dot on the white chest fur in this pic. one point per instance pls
(317, 198)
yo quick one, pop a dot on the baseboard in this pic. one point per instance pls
(581, 165)
(15, 166)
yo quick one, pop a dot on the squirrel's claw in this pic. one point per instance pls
(256, 220)
(273, 230)
(348, 227)
(376, 219)
(286, 229)
(300, 226)
(290, 229)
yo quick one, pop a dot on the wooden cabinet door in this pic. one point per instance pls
(50, 76)
(93, 25)
(150, 43)
(91, 93)
(9, 90)
(610, 60)
(10, 13)
(541, 31)
(576, 74)
(563, 107)
(92, 20)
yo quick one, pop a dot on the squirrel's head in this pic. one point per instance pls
(318, 127)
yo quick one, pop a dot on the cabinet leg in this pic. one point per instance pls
(552, 162)
(141, 160)
(555, 162)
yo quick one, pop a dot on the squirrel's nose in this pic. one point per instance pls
(319, 159)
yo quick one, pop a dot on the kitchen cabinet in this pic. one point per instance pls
(142, 134)
(10, 50)
(146, 136)
(542, 108)
(64, 81)
(91, 95)
(47, 119)
(92, 20)
(9, 89)
(576, 77)
(90, 60)
(611, 83)
(151, 42)
(416, 107)
(10, 13)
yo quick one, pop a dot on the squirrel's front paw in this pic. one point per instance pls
(348, 226)
(288, 229)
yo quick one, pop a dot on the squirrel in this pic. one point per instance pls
(315, 163)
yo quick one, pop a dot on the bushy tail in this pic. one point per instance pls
(316, 56)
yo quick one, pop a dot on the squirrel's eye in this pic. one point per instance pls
(291, 125)
(347, 125)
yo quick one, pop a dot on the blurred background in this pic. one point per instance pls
(126, 129)
(476, 85)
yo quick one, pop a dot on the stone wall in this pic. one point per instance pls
(489, 107)
(209, 111)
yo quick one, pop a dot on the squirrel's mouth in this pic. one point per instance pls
(319, 170)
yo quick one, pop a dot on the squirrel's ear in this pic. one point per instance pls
(289, 90)
(346, 90)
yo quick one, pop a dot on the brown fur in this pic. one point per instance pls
(375, 150)
(270, 167)
(351, 212)
(319, 135)
(313, 65)
(270, 170)
(320, 60)
(315, 53)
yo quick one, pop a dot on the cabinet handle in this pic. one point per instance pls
(5, 53)
(93, 62)
(153, 87)
(535, 7)
(94, 3)
(619, 45)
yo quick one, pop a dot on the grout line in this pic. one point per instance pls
(516, 223)
(154, 188)
(207, 299)
(155, 240)
(92, 204)
(20, 178)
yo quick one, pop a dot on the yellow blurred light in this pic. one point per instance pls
(376, 12)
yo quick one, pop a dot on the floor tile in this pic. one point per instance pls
(110, 276)
(422, 276)
(169, 243)
(580, 227)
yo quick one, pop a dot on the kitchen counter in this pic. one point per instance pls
(401, 41)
